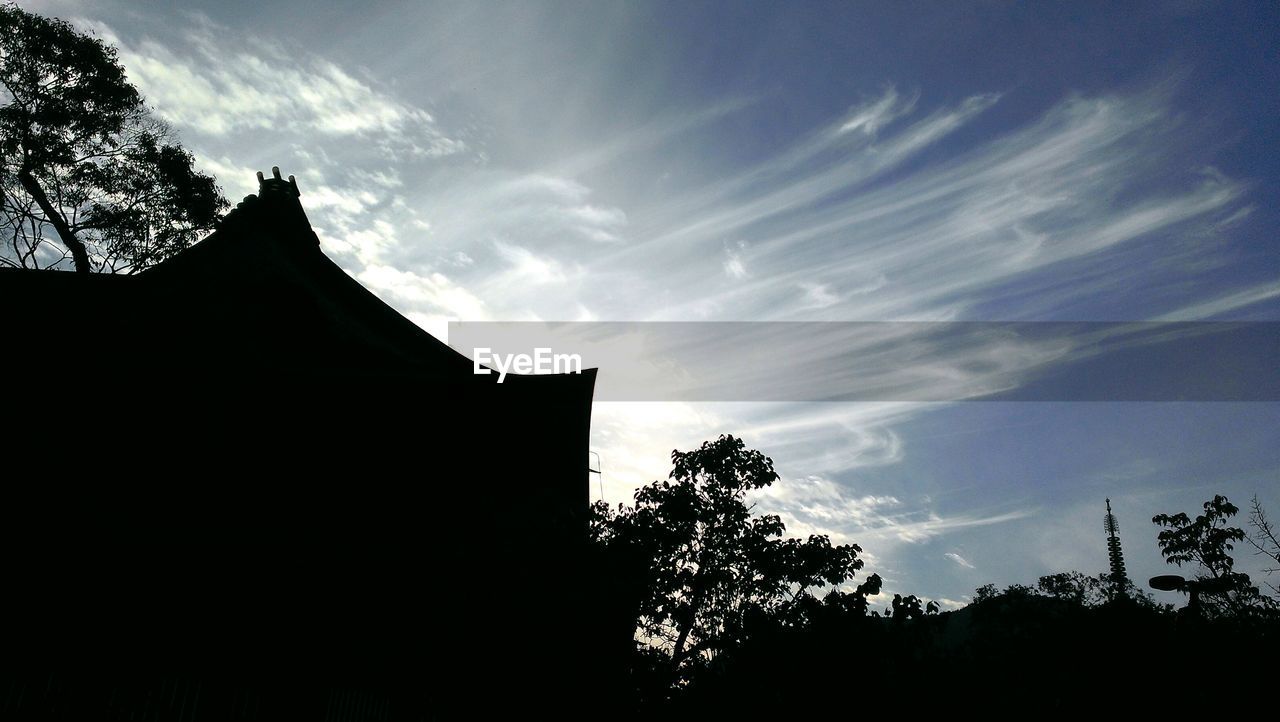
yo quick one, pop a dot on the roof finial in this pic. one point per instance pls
(277, 184)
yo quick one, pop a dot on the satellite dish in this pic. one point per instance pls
(1167, 583)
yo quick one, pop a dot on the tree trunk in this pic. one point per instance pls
(78, 252)
(677, 656)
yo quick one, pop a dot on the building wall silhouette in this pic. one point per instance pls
(241, 471)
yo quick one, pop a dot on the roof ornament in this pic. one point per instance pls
(276, 183)
(285, 213)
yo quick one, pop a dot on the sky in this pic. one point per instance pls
(751, 161)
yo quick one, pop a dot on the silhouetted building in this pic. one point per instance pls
(242, 475)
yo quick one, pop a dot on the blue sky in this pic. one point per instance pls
(793, 161)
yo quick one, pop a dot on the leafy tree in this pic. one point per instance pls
(1207, 542)
(1077, 588)
(1091, 591)
(85, 171)
(855, 603)
(984, 593)
(904, 609)
(710, 568)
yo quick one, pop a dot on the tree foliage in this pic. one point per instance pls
(1091, 591)
(86, 172)
(1077, 588)
(710, 568)
(1206, 543)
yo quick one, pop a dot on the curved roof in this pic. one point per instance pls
(255, 298)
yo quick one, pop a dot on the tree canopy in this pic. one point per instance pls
(87, 173)
(1206, 543)
(711, 568)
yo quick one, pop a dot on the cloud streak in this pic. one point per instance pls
(815, 503)
(945, 238)
(216, 83)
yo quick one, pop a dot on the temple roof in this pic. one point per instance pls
(257, 297)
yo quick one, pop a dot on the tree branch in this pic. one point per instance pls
(69, 239)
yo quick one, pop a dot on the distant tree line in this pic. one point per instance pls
(725, 615)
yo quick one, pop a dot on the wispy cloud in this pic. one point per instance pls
(817, 503)
(217, 82)
(791, 181)
(870, 117)
(1223, 304)
(1084, 179)
(733, 265)
(432, 293)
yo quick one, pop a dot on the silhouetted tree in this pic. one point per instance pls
(1264, 538)
(82, 161)
(1090, 591)
(1075, 587)
(904, 609)
(984, 593)
(1207, 542)
(710, 568)
(856, 602)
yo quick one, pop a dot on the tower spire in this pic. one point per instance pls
(1119, 580)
